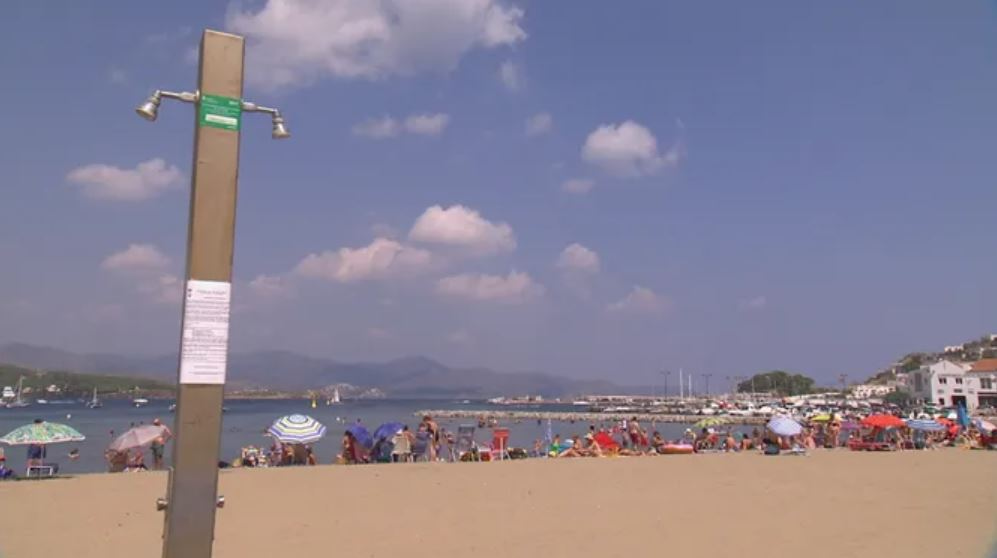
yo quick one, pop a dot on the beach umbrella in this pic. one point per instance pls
(137, 437)
(962, 416)
(984, 425)
(925, 425)
(821, 418)
(297, 429)
(361, 434)
(711, 422)
(784, 426)
(387, 430)
(883, 421)
(42, 433)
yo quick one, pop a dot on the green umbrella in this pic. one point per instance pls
(711, 422)
(42, 433)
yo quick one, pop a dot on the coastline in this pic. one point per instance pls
(829, 504)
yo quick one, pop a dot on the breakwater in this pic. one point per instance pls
(569, 416)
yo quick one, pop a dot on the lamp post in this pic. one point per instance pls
(192, 491)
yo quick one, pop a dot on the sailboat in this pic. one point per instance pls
(334, 400)
(18, 402)
(95, 403)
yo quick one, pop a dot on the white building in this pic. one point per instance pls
(985, 373)
(865, 391)
(954, 348)
(944, 383)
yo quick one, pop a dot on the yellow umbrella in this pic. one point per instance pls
(821, 418)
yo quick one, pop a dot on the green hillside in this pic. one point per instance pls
(73, 385)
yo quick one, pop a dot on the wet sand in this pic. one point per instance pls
(829, 504)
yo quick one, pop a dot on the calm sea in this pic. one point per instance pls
(245, 421)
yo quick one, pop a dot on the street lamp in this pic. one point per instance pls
(192, 489)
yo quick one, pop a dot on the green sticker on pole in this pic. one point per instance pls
(220, 112)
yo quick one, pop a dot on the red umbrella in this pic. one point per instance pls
(606, 441)
(883, 421)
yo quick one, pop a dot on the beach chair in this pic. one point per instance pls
(402, 450)
(464, 445)
(499, 449)
(420, 449)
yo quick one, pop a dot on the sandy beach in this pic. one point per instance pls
(829, 504)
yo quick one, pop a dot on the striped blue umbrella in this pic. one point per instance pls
(925, 425)
(297, 429)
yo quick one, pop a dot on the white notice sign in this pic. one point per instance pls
(204, 346)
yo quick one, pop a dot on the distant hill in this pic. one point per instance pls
(975, 349)
(282, 370)
(74, 385)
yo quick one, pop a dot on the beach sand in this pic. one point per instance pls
(829, 504)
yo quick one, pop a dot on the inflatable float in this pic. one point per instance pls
(675, 449)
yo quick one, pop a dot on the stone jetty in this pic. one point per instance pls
(568, 416)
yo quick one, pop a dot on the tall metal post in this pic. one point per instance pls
(193, 484)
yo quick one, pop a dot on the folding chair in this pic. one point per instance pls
(500, 444)
(464, 445)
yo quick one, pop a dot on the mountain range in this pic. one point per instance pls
(287, 371)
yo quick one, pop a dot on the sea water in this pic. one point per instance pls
(246, 420)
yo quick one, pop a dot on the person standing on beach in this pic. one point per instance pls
(158, 446)
(434, 436)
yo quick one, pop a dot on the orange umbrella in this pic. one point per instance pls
(883, 421)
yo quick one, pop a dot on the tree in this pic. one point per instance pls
(900, 398)
(779, 382)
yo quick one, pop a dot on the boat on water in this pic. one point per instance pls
(94, 403)
(335, 399)
(140, 402)
(581, 403)
(18, 402)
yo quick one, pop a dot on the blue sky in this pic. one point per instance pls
(749, 186)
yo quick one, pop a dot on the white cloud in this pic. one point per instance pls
(517, 287)
(512, 76)
(387, 127)
(293, 42)
(162, 289)
(137, 257)
(754, 303)
(577, 185)
(640, 300)
(628, 150)
(462, 227)
(427, 124)
(145, 181)
(539, 124)
(576, 257)
(381, 259)
(270, 287)
(377, 128)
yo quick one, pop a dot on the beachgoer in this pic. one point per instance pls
(158, 445)
(657, 442)
(74, 454)
(5, 471)
(434, 435)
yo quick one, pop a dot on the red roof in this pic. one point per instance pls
(985, 365)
